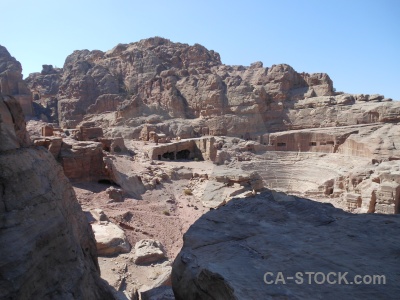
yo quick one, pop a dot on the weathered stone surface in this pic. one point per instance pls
(110, 239)
(227, 252)
(115, 194)
(11, 82)
(157, 76)
(13, 132)
(199, 148)
(148, 251)
(120, 172)
(44, 88)
(47, 247)
(159, 293)
(82, 161)
(53, 144)
(117, 146)
(225, 184)
(89, 132)
(156, 81)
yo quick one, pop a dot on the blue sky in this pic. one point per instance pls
(357, 42)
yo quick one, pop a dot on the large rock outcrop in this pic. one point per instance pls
(13, 132)
(186, 90)
(228, 252)
(11, 82)
(44, 87)
(174, 80)
(47, 247)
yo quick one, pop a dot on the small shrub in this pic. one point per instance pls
(188, 192)
(166, 212)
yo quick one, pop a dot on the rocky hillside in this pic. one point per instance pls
(48, 250)
(11, 82)
(157, 81)
(44, 87)
(263, 248)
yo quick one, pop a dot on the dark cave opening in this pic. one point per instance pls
(169, 155)
(183, 154)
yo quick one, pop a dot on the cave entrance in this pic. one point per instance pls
(183, 154)
(169, 155)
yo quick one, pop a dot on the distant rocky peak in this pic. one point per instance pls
(8, 62)
(155, 41)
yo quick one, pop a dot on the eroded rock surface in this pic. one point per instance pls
(44, 87)
(227, 252)
(148, 251)
(13, 132)
(11, 82)
(110, 239)
(47, 247)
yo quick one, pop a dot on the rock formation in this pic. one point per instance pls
(47, 247)
(11, 82)
(228, 252)
(173, 80)
(82, 161)
(148, 251)
(13, 132)
(156, 80)
(199, 149)
(44, 87)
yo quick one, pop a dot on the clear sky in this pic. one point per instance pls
(357, 42)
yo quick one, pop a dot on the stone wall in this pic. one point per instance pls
(303, 142)
(354, 148)
(324, 140)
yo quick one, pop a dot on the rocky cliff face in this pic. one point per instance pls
(173, 80)
(157, 81)
(11, 82)
(228, 252)
(44, 87)
(48, 249)
(13, 133)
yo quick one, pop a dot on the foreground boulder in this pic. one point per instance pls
(228, 252)
(47, 247)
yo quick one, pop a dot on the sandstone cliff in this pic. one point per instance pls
(44, 87)
(174, 85)
(227, 252)
(11, 82)
(48, 250)
(174, 80)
